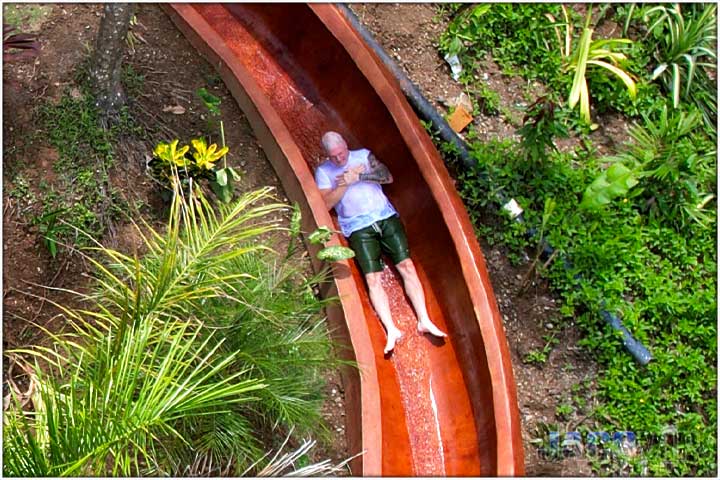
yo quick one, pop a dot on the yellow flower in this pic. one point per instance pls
(205, 156)
(170, 153)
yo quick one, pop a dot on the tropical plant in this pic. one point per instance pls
(205, 157)
(540, 127)
(686, 51)
(47, 224)
(614, 182)
(169, 160)
(17, 46)
(678, 166)
(333, 253)
(197, 351)
(588, 53)
(515, 34)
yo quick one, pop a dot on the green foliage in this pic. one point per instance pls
(614, 182)
(540, 356)
(528, 40)
(686, 52)
(321, 235)
(225, 177)
(645, 247)
(540, 127)
(676, 163)
(488, 100)
(169, 159)
(588, 53)
(28, 16)
(658, 275)
(518, 36)
(48, 224)
(211, 102)
(20, 189)
(335, 253)
(200, 350)
(85, 154)
(132, 81)
(564, 410)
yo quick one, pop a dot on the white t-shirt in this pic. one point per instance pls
(364, 203)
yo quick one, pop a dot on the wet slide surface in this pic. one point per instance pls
(435, 407)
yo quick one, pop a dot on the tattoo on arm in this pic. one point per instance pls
(378, 172)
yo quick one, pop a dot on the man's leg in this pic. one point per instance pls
(367, 249)
(414, 290)
(379, 300)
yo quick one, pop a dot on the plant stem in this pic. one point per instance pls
(222, 137)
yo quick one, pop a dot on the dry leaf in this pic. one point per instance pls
(459, 119)
(176, 109)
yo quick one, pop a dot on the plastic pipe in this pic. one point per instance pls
(641, 354)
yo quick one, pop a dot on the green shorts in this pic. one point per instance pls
(385, 236)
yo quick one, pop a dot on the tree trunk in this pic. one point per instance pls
(106, 65)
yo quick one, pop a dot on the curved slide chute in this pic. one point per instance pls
(434, 407)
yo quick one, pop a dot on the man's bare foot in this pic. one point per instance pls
(393, 336)
(429, 327)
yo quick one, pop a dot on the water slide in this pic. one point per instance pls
(434, 407)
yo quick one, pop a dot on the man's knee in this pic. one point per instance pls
(406, 267)
(374, 280)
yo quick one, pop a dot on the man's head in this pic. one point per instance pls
(336, 148)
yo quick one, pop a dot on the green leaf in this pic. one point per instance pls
(335, 253)
(211, 101)
(481, 10)
(615, 182)
(321, 235)
(223, 192)
(621, 74)
(580, 66)
(221, 177)
(235, 176)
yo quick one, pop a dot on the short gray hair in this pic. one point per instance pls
(332, 139)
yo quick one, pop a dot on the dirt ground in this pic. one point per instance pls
(173, 71)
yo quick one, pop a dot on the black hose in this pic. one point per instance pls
(428, 113)
(635, 347)
(416, 99)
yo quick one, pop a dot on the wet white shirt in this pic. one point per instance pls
(364, 203)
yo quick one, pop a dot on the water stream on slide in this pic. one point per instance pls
(411, 359)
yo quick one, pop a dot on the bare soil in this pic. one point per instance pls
(172, 71)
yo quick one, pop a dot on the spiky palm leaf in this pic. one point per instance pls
(686, 50)
(144, 376)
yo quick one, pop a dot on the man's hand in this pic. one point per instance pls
(350, 176)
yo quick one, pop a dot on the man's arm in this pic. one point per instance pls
(333, 195)
(377, 172)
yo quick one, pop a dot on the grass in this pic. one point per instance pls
(85, 151)
(27, 17)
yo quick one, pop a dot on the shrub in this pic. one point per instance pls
(686, 52)
(198, 351)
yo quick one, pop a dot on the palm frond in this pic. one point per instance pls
(147, 361)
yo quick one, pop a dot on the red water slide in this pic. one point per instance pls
(434, 407)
